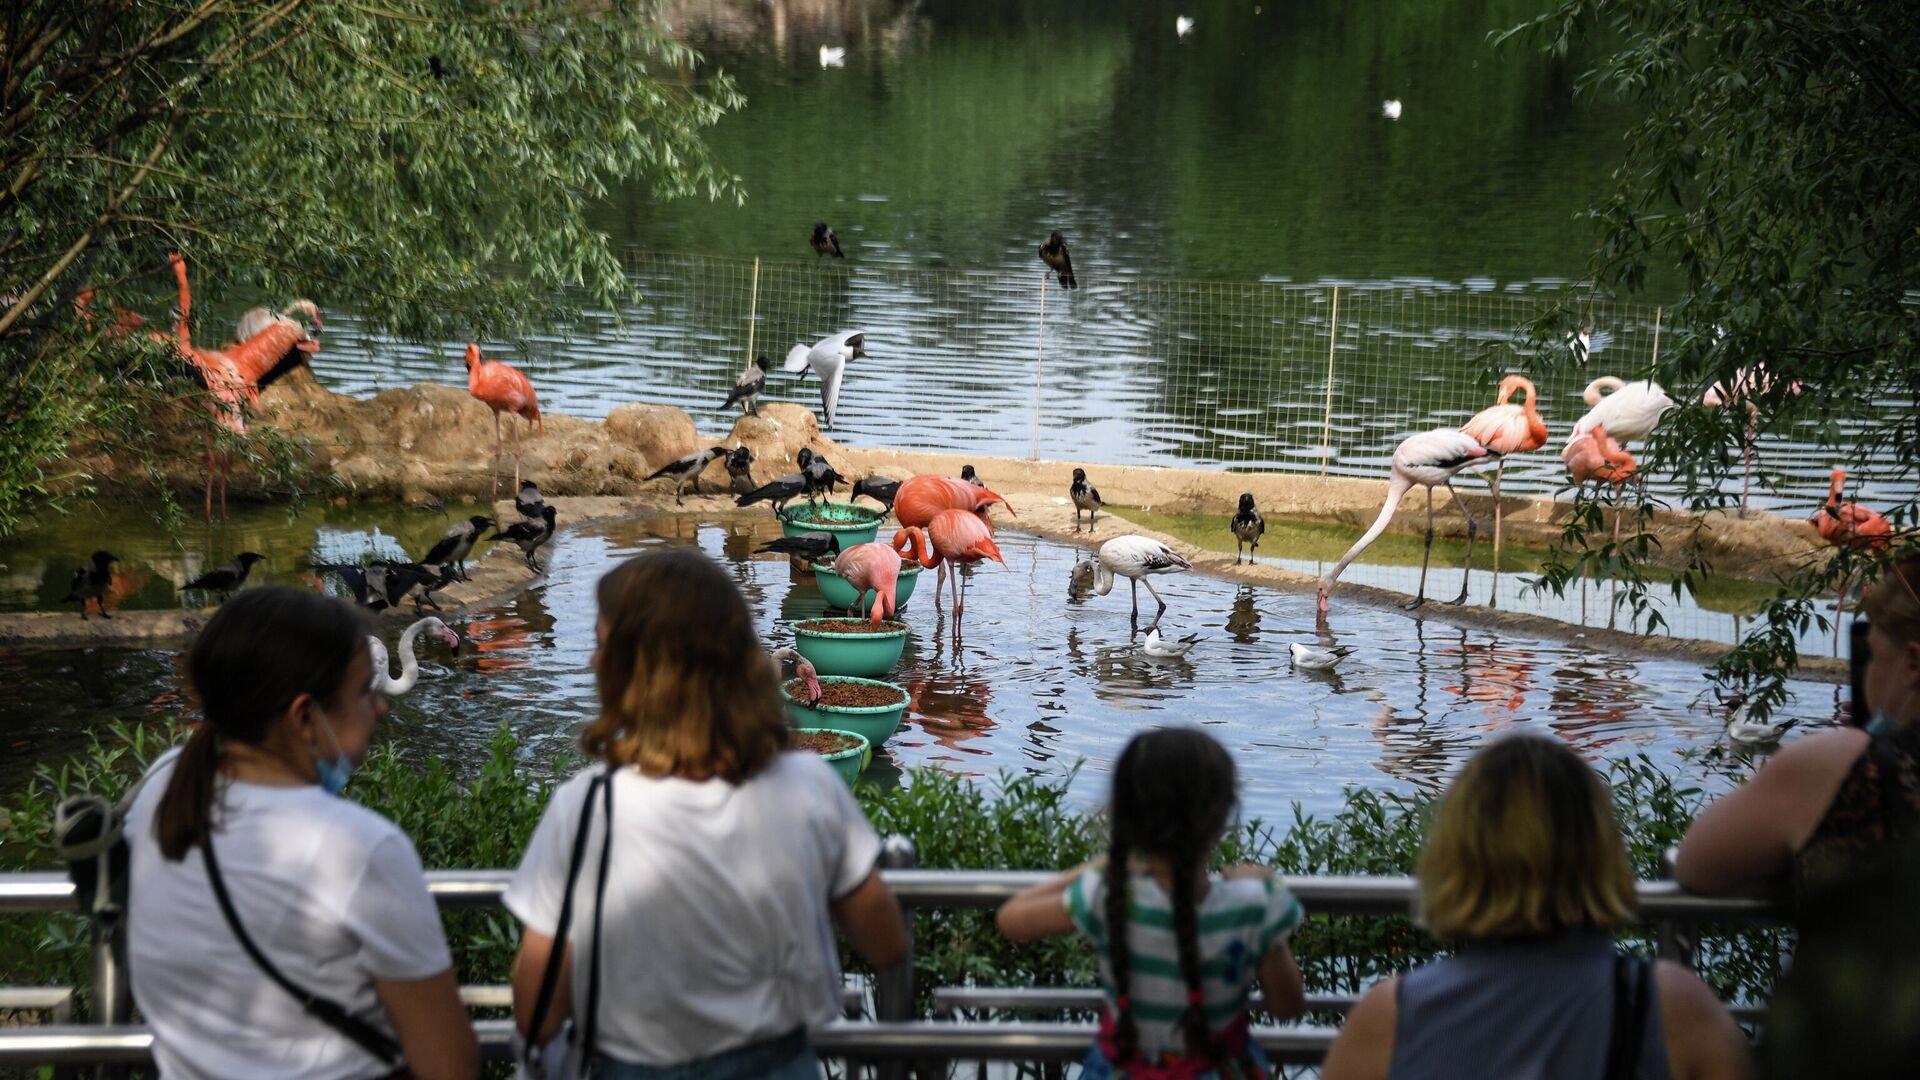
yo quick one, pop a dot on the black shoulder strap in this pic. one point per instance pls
(1630, 1001)
(369, 1038)
(550, 979)
(589, 1024)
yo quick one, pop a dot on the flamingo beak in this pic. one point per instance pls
(453, 642)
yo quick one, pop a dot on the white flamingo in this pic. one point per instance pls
(828, 358)
(383, 680)
(1629, 410)
(1135, 558)
(1430, 459)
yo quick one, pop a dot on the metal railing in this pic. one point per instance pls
(894, 1035)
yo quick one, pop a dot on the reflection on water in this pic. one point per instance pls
(1039, 682)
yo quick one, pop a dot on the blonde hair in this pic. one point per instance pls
(685, 688)
(1524, 842)
(1893, 604)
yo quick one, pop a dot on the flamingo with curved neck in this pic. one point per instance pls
(803, 668)
(383, 679)
(1504, 428)
(954, 536)
(871, 566)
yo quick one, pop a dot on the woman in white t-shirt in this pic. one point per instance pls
(327, 893)
(731, 859)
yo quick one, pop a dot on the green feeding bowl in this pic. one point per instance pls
(836, 653)
(840, 596)
(875, 723)
(848, 523)
(850, 761)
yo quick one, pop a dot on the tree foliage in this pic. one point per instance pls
(1777, 164)
(428, 164)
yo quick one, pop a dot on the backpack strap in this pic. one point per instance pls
(550, 978)
(590, 1023)
(329, 1012)
(1630, 1000)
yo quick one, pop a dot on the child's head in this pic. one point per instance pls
(685, 688)
(1173, 793)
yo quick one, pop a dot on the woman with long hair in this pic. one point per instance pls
(701, 929)
(1524, 868)
(274, 929)
(1180, 948)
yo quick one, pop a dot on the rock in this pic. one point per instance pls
(658, 433)
(776, 436)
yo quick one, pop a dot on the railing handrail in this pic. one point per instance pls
(44, 891)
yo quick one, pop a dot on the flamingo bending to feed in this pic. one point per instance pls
(1135, 558)
(955, 536)
(803, 668)
(1746, 385)
(502, 388)
(383, 680)
(1504, 428)
(873, 566)
(1430, 459)
(1852, 526)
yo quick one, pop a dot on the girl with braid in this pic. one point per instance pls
(1180, 948)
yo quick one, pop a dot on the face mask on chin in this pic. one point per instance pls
(332, 774)
(1883, 722)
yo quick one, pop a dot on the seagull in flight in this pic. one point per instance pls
(828, 358)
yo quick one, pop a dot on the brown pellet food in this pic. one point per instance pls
(823, 742)
(849, 695)
(856, 626)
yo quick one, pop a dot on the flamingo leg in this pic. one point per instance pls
(1156, 597)
(1135, 582)
(1493, 594)
(1426, 553)
(493, 489)
(516, 453)
(1466, 573)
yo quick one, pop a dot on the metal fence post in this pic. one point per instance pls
(893, 988)
(1677, 940)
(112, 997)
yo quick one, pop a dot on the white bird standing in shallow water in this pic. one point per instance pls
(833, 56)
(1310, 658)
(1430, 459)
(828, 359)
(1160, 649)
(1390, 108)
(1133, 558)
(383, 680)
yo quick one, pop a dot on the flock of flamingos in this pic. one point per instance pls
(944, 519)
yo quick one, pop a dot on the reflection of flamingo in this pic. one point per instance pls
(872, 566)
(507, 635)
(1746, 384)
(502, 388)
(1504, 429)
(1852, 526)
(1430, 459)
(383, 681)
(918, 499)
(1134, 558)
(956, 536)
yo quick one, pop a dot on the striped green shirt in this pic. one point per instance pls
(1238, 922)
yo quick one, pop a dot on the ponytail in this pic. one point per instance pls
(259, 652)
(1126, 1034)
(1186, 933)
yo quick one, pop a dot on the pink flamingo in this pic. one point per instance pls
(502, 388)
(1747, 384)
(1848, 525)
(1505, 428)
(803, 668)
(921, 497)
(1595, 455)
(1430, 459)
(871, 566)
(956, 536)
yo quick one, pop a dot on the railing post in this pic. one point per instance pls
(893, 988)
(112, 997)
(1677, 940)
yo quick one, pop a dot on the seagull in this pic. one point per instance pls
(1054, 254)
(90, 583)
(879, 489)
(812, 547)
(1182, 26)
(1085, 497)
(529, 502)
(687, 467)
(227, 578)
(1248, 527)
(825, 243)
(1390, 108)
(1755, 734)
(833, 56)
(1167, 650)
(1311, 658)
(828, 358)
(1580, 344)
(967, 474)
(740, 469)
(528, 536)
(1135, 558)
(457, 543)
(746, 389)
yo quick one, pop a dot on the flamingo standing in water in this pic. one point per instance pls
(1135, 558)
(502, 388)
(955, 536)
(1504, 428)
(1852, 526)
(1746, 384)
(1430, 459)
(919, 499)
(873, 566)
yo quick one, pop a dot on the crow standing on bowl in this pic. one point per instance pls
(1248, 528)
(746, 388)
(825, 243)
(227, 578)
(820, 477)
(457, 543)
(783, 489)
(528, 537)
(879, 489)
(1085, 497)
(1054, 253)
(90, 583)
(687, 468)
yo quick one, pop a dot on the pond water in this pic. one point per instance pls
(1041, 680)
